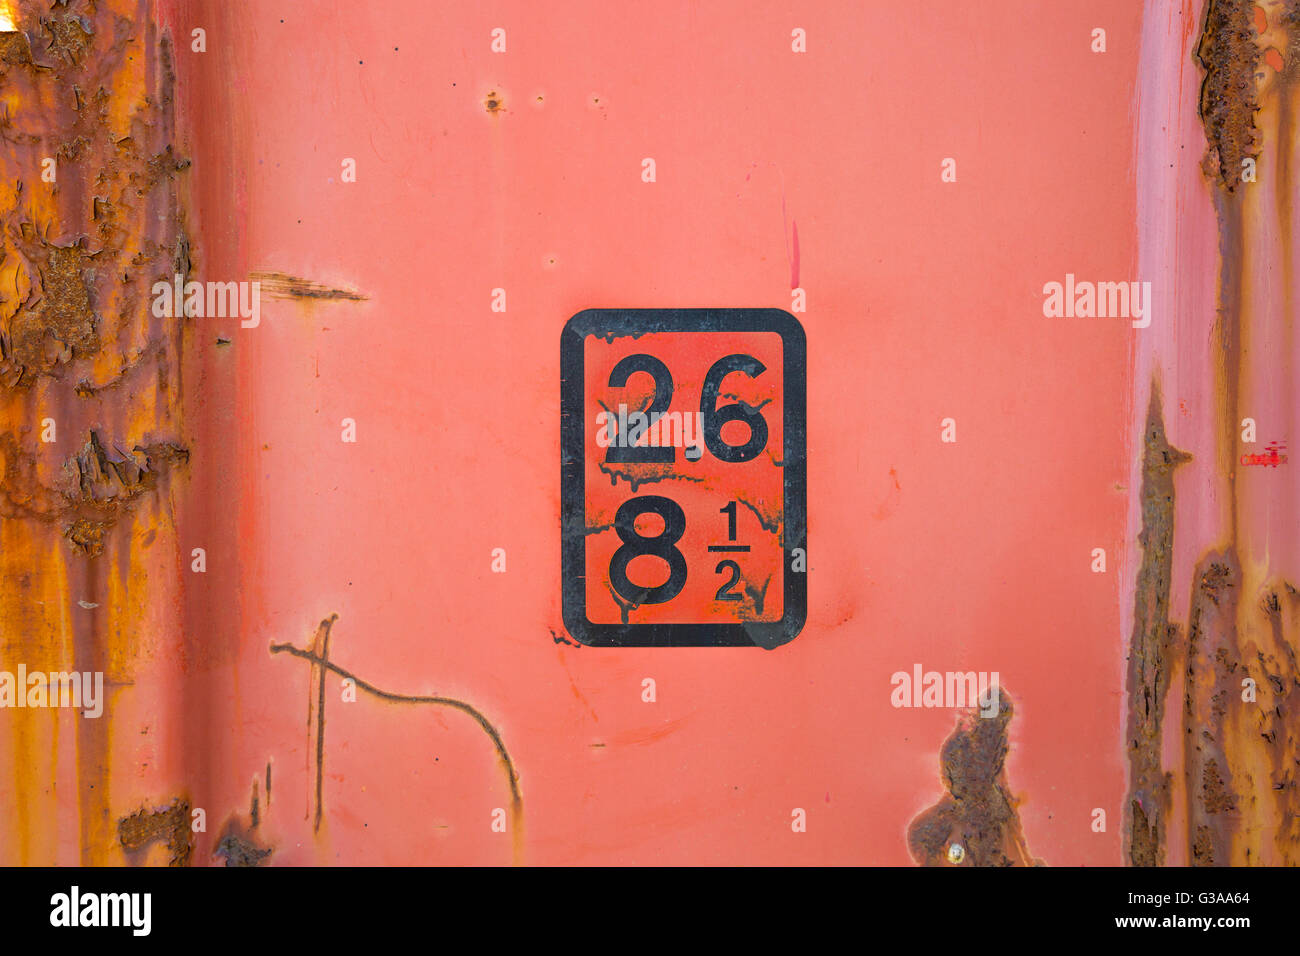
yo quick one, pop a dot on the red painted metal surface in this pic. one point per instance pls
(366, 663)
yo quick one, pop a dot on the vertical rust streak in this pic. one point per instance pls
(89, 197)
(1277, 725)
(1153, 642)
(1239, 751)
(1228, 55)
(1228, 363)
(1212, 662)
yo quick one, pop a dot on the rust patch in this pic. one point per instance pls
(61, 323)
(1229, 55)
(1153, 645)
(170, 825)
(1212, 668)
(239, 848)
(975, 823)
(68, 38)
(1215, 796)
(88, 85)
(1240, 745)
(96, 489)
(493, 102)
(15, 49)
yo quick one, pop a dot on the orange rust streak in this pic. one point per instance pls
(89, 396)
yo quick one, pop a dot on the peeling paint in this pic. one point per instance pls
(1153, 643)
(1213, 776)
(977, 813)
(88, 85)
(169, 825)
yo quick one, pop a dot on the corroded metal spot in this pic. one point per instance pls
(239, 849)
(15, 49)
(975, 823)
(61, 324)
(1229, 56)
(69, 37)
(1153, 644)
(107, 484)
(170, 825)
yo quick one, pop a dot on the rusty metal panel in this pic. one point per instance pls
(982, 315)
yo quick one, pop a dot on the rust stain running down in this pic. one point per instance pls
(1226, 766)
(1153, 644)
(1212, 663)
(975, 823)
(281, 286)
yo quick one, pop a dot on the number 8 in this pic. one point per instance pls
(661, 545)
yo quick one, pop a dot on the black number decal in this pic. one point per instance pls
(661, 546)
(730, 512)
(715, 418)
(725, 593)
(663, 399)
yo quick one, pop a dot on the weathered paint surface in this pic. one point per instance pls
(1214, 685)
(478, 171)
(94, 446)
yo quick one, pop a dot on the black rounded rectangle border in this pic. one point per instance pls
(612, 323)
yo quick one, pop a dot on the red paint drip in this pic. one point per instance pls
(794, 258)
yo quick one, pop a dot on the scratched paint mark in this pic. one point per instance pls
(318, 654)
(278, 285)
(977, 813)
(320, 647)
